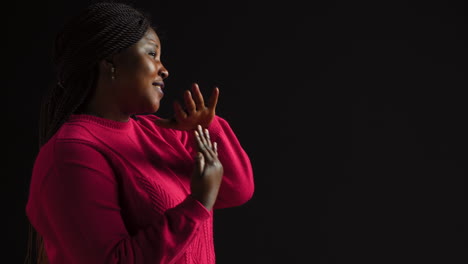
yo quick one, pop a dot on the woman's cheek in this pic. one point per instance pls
(152, 69)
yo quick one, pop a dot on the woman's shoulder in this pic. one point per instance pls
(88, 132)
(148, 121)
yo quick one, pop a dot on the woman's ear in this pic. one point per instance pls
(106, 65)
(109, 62)
(107, 69)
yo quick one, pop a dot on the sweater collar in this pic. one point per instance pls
(123, 126)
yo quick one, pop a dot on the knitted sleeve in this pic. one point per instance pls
(81, 202)
(237, 186)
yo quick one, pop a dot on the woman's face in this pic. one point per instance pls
(139, 75)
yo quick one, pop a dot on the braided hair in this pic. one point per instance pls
(99, 31)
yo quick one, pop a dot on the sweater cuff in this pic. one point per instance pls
(194, 209)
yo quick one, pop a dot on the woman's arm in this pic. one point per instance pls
(237, 186)
(81, 200)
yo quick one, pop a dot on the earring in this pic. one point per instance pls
(112, 72)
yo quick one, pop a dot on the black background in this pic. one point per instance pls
(353, 114)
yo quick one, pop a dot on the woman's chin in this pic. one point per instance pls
(155, 108)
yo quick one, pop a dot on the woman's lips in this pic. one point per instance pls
(159, 89)
(159, 86)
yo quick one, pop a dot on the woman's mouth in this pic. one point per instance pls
(159, 86)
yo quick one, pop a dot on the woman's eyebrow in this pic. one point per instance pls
(153, 42)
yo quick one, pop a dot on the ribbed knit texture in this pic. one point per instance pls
(104, 191)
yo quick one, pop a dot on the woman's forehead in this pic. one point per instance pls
(151, 35)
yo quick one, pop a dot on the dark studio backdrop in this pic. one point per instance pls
(353, 114)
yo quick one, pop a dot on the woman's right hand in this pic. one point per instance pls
(208, 171)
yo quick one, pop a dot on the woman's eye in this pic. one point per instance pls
(153, 54)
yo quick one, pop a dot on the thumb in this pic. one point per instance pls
(165, 123)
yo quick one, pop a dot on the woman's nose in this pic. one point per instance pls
(163, 72)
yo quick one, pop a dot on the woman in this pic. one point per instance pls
(112, 182)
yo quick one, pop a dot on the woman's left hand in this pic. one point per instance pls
(195, 113)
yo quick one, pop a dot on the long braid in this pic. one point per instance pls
(59, 103)
(99, 31)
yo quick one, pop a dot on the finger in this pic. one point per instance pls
(179, 111)
(202, 135)
(165, 123)
(215, 145)
(199, 141)
(207, 135)
(213, 99)
(206, 140)
(198, 97)
(189, 103)
(202, 147)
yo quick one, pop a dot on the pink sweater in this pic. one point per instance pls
(104, 191)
